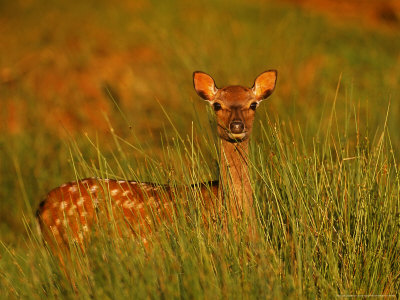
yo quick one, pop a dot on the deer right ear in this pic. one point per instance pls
(204, 85)
(264, 84)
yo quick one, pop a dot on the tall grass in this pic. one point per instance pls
(325, 175)
(327, 217)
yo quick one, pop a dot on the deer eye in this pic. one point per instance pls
(217, 106)
(253, 106)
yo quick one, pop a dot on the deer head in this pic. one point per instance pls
(235, 105)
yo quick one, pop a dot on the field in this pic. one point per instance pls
(101, 88)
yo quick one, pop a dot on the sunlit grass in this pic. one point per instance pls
(327, 217)
(324, 160)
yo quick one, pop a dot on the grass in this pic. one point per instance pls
(328, 219)
(324, 158)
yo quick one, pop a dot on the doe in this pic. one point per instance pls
(72, 209)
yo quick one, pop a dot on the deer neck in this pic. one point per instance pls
(235, 178)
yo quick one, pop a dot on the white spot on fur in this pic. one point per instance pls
(114, 192)
(54, 230)
(63, 185)
(73, 189)
(63, 205)
(139, 206)
(129, 204)
(94, 188)
(71, 211)
(126, 192)
(106, 180)
(121, 181)
(57, 221)
(149, 188)
(84, 214)
(80, 201)
(85, 228)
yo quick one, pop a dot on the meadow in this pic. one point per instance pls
(105, 89)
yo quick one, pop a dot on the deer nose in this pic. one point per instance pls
(236, 126)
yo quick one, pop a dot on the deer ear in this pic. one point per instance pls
(264, 84)
(204, 85)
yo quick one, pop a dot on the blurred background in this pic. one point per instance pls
(69, 71)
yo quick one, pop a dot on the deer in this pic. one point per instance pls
(72, 209)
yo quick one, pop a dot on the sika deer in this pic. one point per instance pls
(73, 208)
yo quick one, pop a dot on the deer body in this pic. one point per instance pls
(69, 211)
(78, 205)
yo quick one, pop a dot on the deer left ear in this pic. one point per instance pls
(204, 85)
(264, 84)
